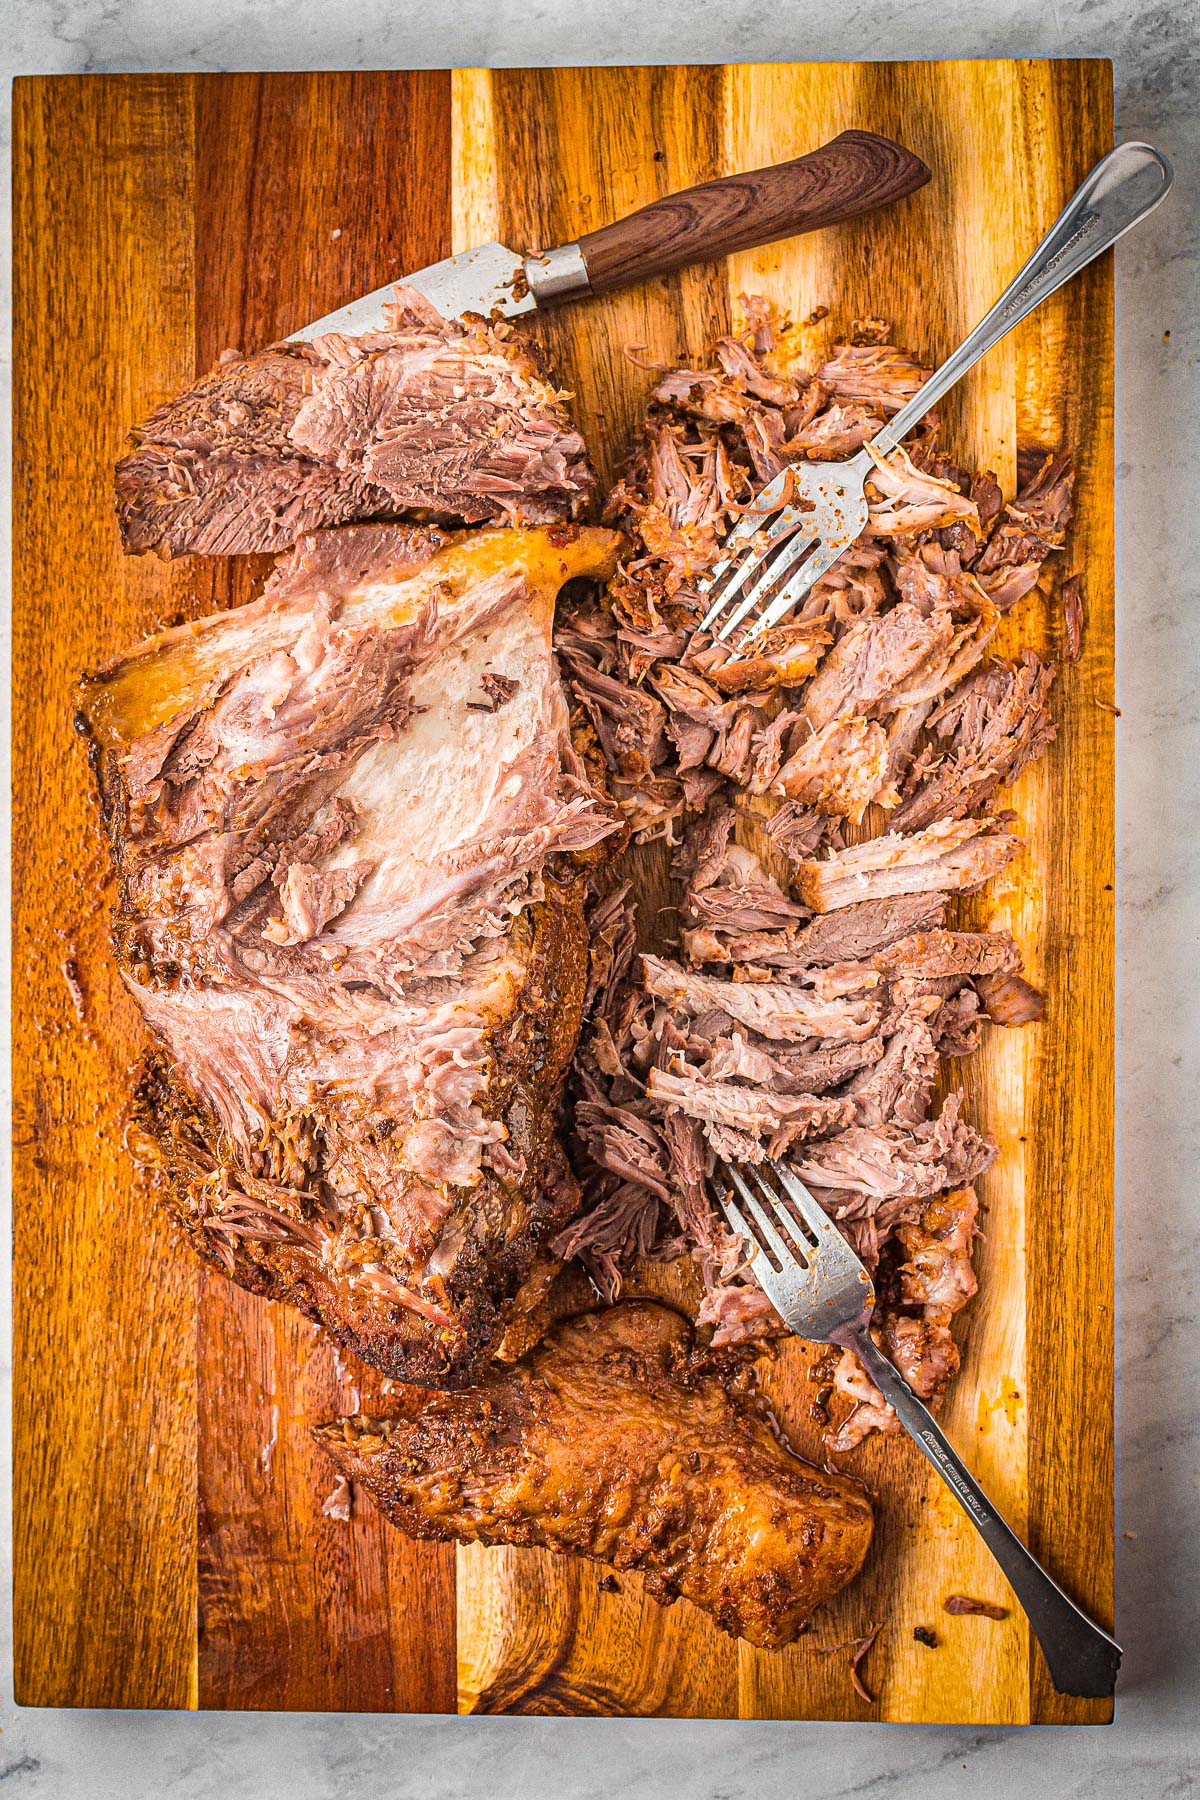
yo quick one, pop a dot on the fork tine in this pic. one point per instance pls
(802, 583)
(741, 569)
(723, 575)
(763, 1219)
(736, 1223)
(769, 574)
(806, 1204)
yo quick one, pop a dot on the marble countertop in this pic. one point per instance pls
(1153, 1751)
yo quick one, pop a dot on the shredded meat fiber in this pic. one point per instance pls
(860, 748)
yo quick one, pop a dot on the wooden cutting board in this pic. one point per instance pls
(170, 1545)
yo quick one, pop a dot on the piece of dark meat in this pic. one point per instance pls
(1010, 1000)
(993, 726)
(783, 1119)
(1072, 610)
(900, 1162)
(452, 417)
(1028, 530)
(618, 1440)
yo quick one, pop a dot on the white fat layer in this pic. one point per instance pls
(435, 789)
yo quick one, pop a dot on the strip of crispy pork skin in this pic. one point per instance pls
(617, 1439)
(343, 818)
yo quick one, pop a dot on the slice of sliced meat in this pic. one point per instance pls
(945, 857)
(873, 659)
(442, 415)
(929, 954)
(774, 1009)
(758, 1112)
(866, 927)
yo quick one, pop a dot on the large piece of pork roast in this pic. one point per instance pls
(350, 833)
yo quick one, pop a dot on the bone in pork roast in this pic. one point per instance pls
(346, 820)
(453, 417)
(620, 1439)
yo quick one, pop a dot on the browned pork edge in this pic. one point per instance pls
(532, 1051)
(619, 1438)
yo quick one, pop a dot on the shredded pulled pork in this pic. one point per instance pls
(680, 1067)
(806, 1018)
(850, 701)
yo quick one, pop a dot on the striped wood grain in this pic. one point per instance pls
(170, 1548)
(932, 265)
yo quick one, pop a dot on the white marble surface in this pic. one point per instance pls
(1153, 1752)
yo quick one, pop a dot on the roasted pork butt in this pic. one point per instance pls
(451, 417)
(346, 820)
(618, 1440)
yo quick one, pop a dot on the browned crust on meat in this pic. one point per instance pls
(508, 1217)
(620, 1440)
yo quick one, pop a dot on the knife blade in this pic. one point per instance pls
(854, 173)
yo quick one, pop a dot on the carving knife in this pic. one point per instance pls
(853, 174)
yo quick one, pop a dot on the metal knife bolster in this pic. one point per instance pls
(557, 274)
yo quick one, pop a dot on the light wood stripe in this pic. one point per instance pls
(204, 211)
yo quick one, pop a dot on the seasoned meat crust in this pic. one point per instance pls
(489, 1241)
(348, 824)
(452, 417)
(617, 1439)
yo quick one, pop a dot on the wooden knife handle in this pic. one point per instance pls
(853, 174)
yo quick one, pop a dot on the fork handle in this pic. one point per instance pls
(1123, 187)
(1082, 1659)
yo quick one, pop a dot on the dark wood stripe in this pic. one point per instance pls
(311, 189)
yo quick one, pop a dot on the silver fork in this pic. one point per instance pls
(773, 565)
(822, 1292)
